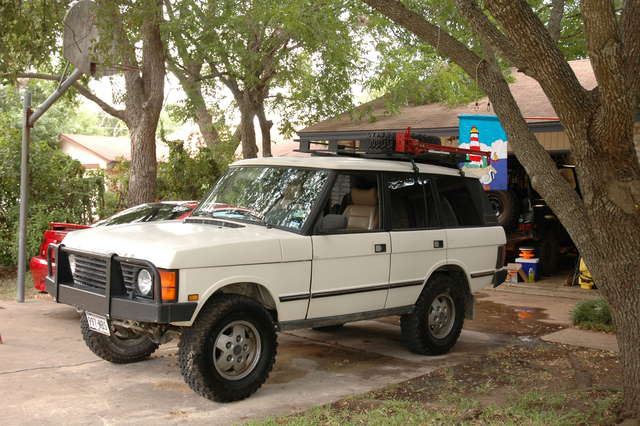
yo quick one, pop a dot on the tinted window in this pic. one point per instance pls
(461, 201)
(411, 201)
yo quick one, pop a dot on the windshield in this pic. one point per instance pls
(145, 213)
(274, 196)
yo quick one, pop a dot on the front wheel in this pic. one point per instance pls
(230, 350)
(117, 349)
(435, 324)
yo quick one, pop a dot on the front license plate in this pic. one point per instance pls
(98, 323)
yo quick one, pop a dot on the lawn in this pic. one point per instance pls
(8, 286)
(535, 384)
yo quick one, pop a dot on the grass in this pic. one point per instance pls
(593, 314)
(531, 408)
(518, 385)
(8, 286)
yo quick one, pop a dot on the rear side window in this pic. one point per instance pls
(462, 201)
(411, 201)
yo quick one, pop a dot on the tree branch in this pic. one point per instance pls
(445, 44)
(482, 25)
(83, 90)
(555, 19)
(605, 50)
(631, 44)
(548, 65)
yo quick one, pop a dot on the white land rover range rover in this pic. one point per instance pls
(279, 244)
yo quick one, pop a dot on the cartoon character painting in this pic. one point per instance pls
(484, 133)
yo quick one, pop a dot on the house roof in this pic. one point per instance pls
(111, 148)
(533, 103)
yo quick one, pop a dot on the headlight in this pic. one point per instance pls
(144, 282)
(72, 263)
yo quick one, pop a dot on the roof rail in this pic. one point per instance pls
(401, 146)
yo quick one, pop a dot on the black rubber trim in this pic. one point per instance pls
(406, 284)
(294, 297)
(333, 293)
(483, 274)
(121, 307)
(341, 319)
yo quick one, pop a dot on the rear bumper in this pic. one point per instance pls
(61, 287)
(498, 277)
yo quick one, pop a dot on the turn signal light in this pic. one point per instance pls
(169, 285)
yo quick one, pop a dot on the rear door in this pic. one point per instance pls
(472, 237)
(418, 241)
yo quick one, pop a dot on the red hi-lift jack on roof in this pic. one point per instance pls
(402, 146)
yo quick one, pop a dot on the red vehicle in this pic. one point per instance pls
(149, 212)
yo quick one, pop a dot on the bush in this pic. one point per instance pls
(593, 314)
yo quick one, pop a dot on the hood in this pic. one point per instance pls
(175, 244)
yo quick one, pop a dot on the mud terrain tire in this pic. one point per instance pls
(201, 359)
(420, 329)
(115, 349)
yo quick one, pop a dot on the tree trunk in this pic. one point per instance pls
(142, 179)
(604, 223)
(265, 130)
(248, 131)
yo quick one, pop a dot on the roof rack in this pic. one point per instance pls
(401, 146)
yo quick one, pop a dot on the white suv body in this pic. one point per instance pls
(312, 242)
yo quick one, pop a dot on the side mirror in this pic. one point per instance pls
(331, 223)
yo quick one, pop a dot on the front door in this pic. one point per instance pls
(350, 266)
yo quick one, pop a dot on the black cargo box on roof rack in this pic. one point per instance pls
(401, 146)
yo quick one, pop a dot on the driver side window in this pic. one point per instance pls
(354, 204)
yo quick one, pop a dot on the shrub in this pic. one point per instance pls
(593, 314)
(60, 190)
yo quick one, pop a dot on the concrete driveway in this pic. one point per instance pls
(49, 376)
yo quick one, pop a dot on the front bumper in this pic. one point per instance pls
(113, 303)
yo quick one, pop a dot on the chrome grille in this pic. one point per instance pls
(90, 272)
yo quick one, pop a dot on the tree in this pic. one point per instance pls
(251, 48)
(131, 31)
(599, 123)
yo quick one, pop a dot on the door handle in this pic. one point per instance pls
(438, 243)
(380, 248)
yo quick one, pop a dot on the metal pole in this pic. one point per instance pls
(75, 75)
(24, 194)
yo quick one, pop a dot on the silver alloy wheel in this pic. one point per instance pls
(237, 350)
(441, 315)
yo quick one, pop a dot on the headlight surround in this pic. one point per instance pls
(72, 263)
(144, 282)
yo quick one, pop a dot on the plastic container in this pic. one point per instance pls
(530, 264)
(527, 252)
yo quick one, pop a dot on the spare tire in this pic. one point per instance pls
(382, 142)
(506, 206)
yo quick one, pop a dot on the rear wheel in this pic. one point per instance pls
(435, 324)
(115, 348)
(229, 351)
